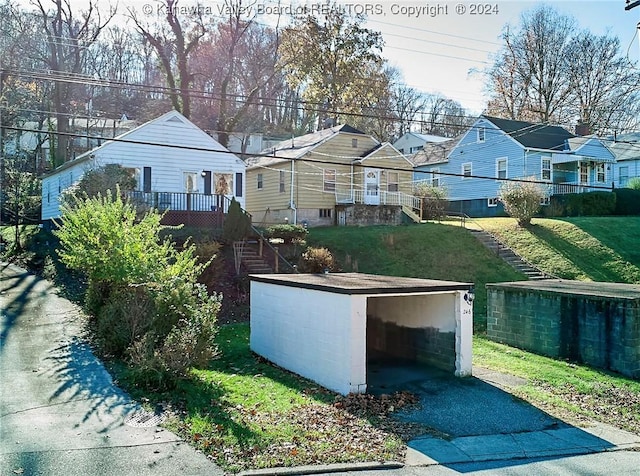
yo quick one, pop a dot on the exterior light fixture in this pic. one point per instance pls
(470, 295)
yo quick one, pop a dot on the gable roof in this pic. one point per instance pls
(384, 145)
(297, 147)
(434, 153)
(171, 116)
(532, 135)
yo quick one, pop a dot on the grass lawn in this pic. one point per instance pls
(421, 251)
(582, 248)
(564, 389)
(246, 413)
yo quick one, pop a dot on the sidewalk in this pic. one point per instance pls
(60, 412)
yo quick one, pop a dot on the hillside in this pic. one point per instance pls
(423, 251)
(582, 248)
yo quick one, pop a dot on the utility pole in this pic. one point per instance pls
(2, 165)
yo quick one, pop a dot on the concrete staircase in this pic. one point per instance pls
(508, 255)
(254, 263)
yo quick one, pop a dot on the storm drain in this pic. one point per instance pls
(144, 419)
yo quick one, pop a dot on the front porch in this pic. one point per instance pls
(582, 174)
(410, 205)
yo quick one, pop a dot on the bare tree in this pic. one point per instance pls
(174, 44)
(605, 85)
(68, 38)
(528, 80)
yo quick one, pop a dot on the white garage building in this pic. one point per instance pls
(329, 327)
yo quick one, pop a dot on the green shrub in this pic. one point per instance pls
(237, 224)
(584, 204)
(627, 201)
(434, 200)
(142, 292)
(521, 200)
(634, 183)
(288, 233)
(317, 260)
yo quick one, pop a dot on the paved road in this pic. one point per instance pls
(59, 410)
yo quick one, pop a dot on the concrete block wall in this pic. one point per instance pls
(599, 331)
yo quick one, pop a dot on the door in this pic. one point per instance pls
(585, 171)
(372, 187)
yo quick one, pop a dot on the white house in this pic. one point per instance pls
(412, 142)
(177, 166)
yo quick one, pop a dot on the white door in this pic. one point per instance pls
(371, 187)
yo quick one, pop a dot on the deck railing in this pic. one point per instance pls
(178, 201)
(383, 197)
(575, 187)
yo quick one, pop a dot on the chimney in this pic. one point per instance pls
(582, 129)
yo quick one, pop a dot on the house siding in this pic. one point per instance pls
(633, 168)
(167, 163)
(384, 159)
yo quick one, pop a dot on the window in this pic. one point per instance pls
(223, 184)
(545, 201)
(545, 171)
(392, 181)
(282, 181)
(146, 179)
(329, 180)
(238, 184)
(600, 172)
(501, 168)
(259, 184)
(624, 175)
(466, 170)
(584, 173)
(492, 202)
(481, 132)
(435, 177)
(46, 188)
(324, 213)
(190, 182)
(354, 143)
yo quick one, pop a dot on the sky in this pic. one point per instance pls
(439, 46)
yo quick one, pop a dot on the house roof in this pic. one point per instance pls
(384, 145)
(625, 150)
(169, 116)
(532, 135)
(297, 147)
(430, 137)
(434, 153)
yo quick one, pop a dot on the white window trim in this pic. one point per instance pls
(604, 172)
(435, 179)
(396, 182)
(542, 169)
(492, 202)
(196, 181)
(259, 181)
(282, 182)
(465, 177)
(506, 167)
(325, 181)
(481, 132)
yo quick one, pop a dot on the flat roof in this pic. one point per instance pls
(568, 287)
(359, 283)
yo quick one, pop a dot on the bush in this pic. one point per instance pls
(142, 292)
(237, 224)
(288, 233)
(584, 204)
(434, 200)
(521, 200)
(317, 260)
(634, 183)
(627, 201)
(109, 179)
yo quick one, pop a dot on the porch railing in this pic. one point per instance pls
(383, 197)
(575, 187)
(177, 201)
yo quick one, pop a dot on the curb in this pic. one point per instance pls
(322, 469)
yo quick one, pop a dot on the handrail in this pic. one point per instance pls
(274, 249)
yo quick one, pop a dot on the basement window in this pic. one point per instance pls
(325, 213)
(492, 202)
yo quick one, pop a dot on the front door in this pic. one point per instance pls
(371, 187)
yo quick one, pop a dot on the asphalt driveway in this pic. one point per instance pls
(60, 412)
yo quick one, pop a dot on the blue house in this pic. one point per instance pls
(473, 166)
(627, 152)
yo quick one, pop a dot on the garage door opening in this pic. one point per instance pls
(407, 336)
